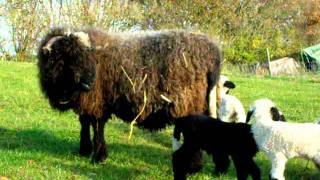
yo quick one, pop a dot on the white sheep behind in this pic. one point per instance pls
(230, 108)
(283, 140)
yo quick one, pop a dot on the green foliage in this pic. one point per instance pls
(245, 28)
(39, 143)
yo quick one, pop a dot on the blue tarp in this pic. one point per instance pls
(311, 57)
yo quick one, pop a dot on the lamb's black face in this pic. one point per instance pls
(229, 84)
(277, 115)
(66, 70)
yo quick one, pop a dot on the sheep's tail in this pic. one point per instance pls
(176, 137)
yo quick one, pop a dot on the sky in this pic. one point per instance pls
(4, 33)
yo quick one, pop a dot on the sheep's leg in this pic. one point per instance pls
(196, 162)
(242, 167)
(254, 170)
(221, 161)
(278, 166)
(85, 140)
(186, 159)
(245, 165)
(100, 152)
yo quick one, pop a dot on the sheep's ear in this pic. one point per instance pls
(282, 118)
(229, 84)
(249, 114)
(275, 114)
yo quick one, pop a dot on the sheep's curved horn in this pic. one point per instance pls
(47, 47)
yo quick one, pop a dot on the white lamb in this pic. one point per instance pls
(230, 108)
(283, 140)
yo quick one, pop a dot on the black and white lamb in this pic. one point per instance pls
(217, 138)
(283, 140)
(230, 108)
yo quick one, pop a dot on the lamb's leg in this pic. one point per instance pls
(278, 166)
(100, 151)
(183, 161)
(242, 167)
(254, 170)
(85, 140)
(221, 161)
(196, 162)
(179, 164)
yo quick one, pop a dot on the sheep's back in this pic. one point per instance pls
(295, 139)
(174, 64)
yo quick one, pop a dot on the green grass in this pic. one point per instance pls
(39, 143)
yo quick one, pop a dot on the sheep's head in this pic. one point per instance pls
(225, 85)
(66, 67)
(264, 110)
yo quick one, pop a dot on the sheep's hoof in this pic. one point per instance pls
(99, 158)
(85, 151)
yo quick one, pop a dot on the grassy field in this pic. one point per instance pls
(39, 143)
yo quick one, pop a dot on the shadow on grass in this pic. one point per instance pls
(161, 137)
(124, 161)
(37, 140)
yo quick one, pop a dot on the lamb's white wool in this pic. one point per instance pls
(231, 109)
(83, 38)
(223, 88)
(213, 95)
(261, 109)
(282, 140)
(175, 144)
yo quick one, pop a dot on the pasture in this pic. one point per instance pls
(39, 143)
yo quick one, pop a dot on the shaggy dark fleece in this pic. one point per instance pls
(91, 79)
(217, 138)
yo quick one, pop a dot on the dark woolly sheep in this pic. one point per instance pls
(98, 74)
(219, 139)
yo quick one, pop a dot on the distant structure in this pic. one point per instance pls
(283, 66)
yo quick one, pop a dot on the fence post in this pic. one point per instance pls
(268, 62)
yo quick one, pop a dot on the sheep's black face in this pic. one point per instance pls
(66, 69)
(64, 91)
